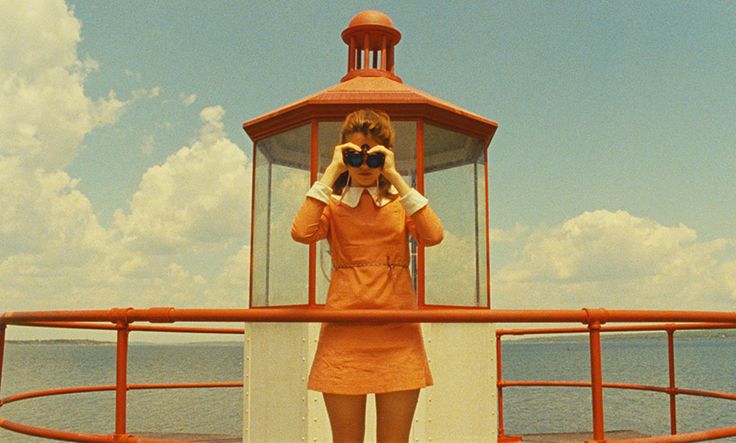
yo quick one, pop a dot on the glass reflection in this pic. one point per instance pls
(280, 266)
(456, 270)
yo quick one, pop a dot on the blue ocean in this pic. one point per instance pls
(705, 360)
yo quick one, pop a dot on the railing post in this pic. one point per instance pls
(2, 352)
(499, 384)
(502, 437)
(673, 385)
(121, 379)
(596, 379)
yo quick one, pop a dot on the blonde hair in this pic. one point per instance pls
(373, 123)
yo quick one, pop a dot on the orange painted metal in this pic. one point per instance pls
(2, 353)
(502, 437)
(368, 85)
(596, 379)
(144, 328)
(712, 434)
(121, 319)
(121, 379)
(121, 387)
(320, 314)
(672, 390)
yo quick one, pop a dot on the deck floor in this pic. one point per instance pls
(195, 438)
(563, 437)
(577, 437)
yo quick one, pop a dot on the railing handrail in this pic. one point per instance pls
(122, 319)
(598, 427)
(322, 314)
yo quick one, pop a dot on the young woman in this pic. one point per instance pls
(366, 210)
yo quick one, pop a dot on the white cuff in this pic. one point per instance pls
(320, 191)
(413, 201)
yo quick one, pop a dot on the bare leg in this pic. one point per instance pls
(394, 414)
(347, 417)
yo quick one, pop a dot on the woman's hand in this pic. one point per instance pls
(337, 164)
(389, 162)
(389, 170)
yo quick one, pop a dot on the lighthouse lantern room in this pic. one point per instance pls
(441, 150)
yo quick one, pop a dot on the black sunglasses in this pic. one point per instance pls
(355, 158)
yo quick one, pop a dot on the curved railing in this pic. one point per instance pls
(597, 385)
(121, 320)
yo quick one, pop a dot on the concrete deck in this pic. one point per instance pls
(195, 438)
(578, 437)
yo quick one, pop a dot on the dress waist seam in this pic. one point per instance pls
(364, 265)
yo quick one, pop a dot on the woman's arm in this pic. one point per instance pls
(425, 226)
(422, 222)
(312, 222)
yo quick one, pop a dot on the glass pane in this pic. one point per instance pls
(445, 149)
(329, 136)
(455, 270)
(405, 152)
(259, 248)
(289, 260)
(275, 254)
(290, 148)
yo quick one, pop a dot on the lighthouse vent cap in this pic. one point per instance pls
(371, 17)
(371, 20)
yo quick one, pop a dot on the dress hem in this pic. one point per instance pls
(368, 391)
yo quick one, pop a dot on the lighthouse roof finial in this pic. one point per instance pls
(371, 37)
(371, 17)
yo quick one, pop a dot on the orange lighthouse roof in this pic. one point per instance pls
(371, 82)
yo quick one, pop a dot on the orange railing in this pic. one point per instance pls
(597, 385)
(121, 320)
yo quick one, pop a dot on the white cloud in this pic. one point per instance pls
(196, 198)
(44, 112)
(109, 109)
(451, 272)
(54, 254)
(147, 93)
(133, 74)
(188, 100)
(508, 235)
(148, 145)
(615, 259)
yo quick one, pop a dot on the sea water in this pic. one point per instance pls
(704, 361)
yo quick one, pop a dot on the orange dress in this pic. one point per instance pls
(370, 257)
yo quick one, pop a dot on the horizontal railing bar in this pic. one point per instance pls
(712, 394)
(582, 384)
(55, 434)
(102, 388)
(614, 385)
(299, 314)
(619, 328)
(146, 328)
(711, 434)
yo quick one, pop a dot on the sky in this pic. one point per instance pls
(125, 172)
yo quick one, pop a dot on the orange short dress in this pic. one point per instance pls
(370, 258)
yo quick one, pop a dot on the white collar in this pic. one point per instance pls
(351, 196)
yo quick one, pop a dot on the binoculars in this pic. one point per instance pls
(355, 158)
